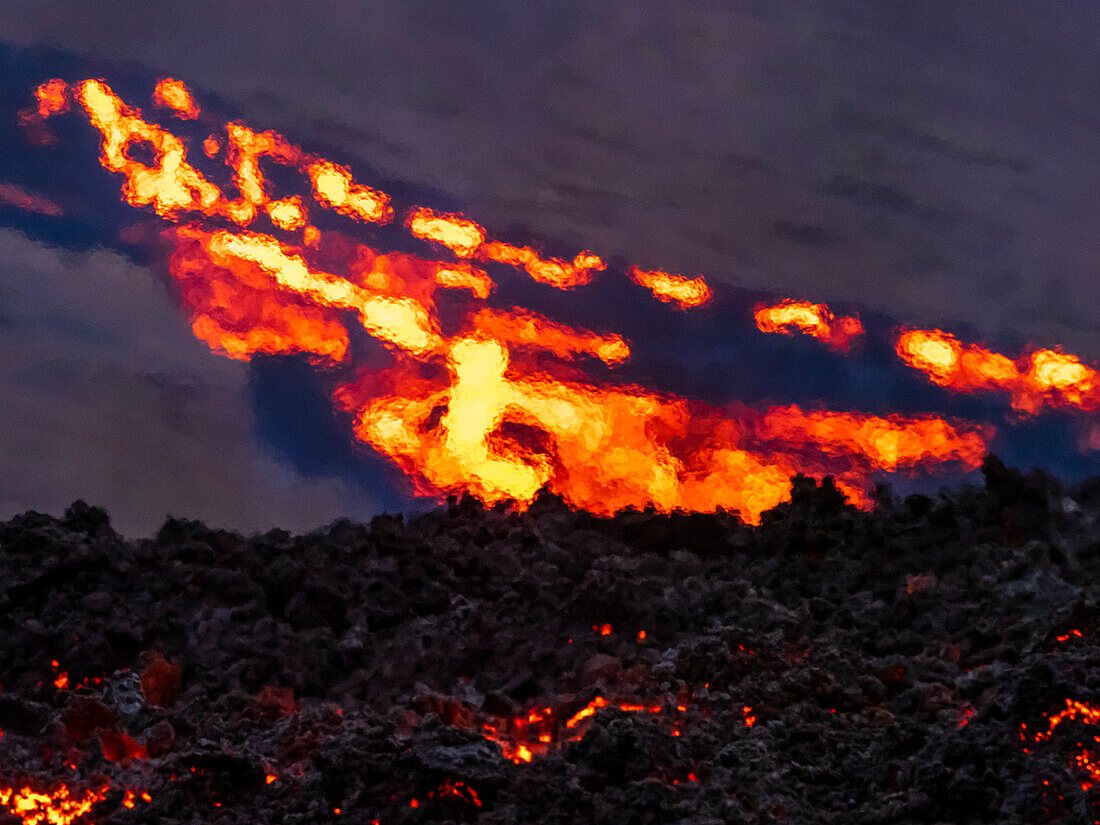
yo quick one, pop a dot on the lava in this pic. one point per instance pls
(673, 289)
(173, 94)
(1041, 378)
(1085, 760)
(461, 236)
(541, 729)
(498, 406)
(333, 186)
(552, 271)
(60, 806)
(816, 320)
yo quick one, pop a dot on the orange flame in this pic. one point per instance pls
(520, 328)
(816, 320)
(480, 411)
(173, 94)
(674, 289)
(1044, 378)
(541, 730)
(1084, 713)
(52, 97)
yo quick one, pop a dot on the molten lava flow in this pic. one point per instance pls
(238, 310)
(494, 409)
(613, 448)
(673, 289)
(815, 320)
(333, 186)
(1043, 378)
(888, 443)
(464, 276)
(59, 806)
(460, 235)
(401, 321)
(244, 149)
(173, 94)
(519, 328)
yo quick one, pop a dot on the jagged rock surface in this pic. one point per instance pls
(888, 659)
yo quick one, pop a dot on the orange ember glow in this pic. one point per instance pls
(553, 272)
(52, 98)
(459, 790)
(173, 94)
(519, 328)
(673, 289)
(498, 406)
(542, 729)
(464, 276)
(333, 186)
(60, 806)
(461, 236)
(815, 320)
(1085, 760)
(1045, 378)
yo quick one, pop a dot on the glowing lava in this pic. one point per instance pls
(1042, 378)
(60, 806)
(816, 320)
(673, 289)
(499, 406)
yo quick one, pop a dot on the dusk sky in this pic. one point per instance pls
(935, 167)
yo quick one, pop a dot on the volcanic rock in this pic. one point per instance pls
(933, 660)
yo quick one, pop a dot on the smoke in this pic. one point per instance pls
(106, 395)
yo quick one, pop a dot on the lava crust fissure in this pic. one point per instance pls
(930, 661)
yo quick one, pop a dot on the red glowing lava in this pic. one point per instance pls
(816, 320)
(492, 407)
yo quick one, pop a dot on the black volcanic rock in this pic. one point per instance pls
(829, 666)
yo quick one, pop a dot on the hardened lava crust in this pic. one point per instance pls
(933, 660)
